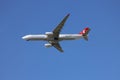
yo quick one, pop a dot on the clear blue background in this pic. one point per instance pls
(97, 59)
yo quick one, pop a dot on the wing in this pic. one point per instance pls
(57, 30)
(57, 46)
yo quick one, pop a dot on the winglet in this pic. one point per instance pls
(68, 14)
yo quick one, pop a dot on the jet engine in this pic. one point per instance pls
(48, 45)
(49, 33)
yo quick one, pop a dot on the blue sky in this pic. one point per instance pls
(97, 59)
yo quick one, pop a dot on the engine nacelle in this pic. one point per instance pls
(49, 33)
(48, 45)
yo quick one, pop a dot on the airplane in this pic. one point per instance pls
(55, 37)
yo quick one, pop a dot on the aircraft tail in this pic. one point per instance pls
(85, 32)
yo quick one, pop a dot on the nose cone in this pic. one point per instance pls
(26, 37)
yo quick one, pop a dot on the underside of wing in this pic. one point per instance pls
(57, 30)
(57, 46)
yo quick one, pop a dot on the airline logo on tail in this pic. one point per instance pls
(85, 32)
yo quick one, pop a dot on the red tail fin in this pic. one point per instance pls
(85, 32)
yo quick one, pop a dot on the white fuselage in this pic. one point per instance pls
(47, 38)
